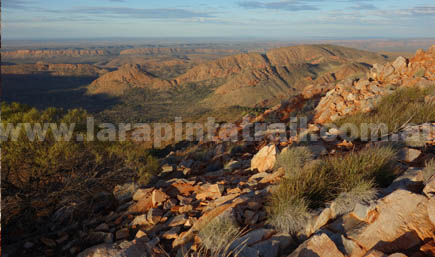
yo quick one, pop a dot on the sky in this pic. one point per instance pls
(268, 19)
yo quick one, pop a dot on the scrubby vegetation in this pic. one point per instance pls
(150, 105)
(347, 179)
(40, 176)
(219, 233)
(405, 105)
(293, 159)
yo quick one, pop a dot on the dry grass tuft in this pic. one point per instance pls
(219, 233)
(347, 179)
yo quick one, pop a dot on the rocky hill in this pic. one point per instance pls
(194, 192)
(250, 78)
(220, 194)
(21, 54)
(362, 95)
(171, 51)
(128, 76)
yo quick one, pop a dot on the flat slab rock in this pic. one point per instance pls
(265, 159)
(135, 248)
(317, 245)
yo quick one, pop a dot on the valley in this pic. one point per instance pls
(219, 78)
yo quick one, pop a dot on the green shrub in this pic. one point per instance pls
(44, 175)
(395, 110)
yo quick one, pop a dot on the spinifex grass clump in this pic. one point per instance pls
(219, 233)
(294, 158)
(405, 105)
(347, 179)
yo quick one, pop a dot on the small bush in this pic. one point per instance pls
(147, 171)
(294, 158)
(429, 171)
(219, 233)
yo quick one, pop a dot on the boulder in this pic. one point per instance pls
(268, 248)
(172, 233)
(265, 159)
(409, 154)
(316, 246)
(431, 210)
(95, 238)
(202, 222)
(429, 248)
(142, 193)
(212, 191)
(103, 201)
(140, 220)
(365, 212)
(124, 193)
(429, 189)
(158, 197)
(135, 248)
(142, 206)
(396, 227)
(397, 255)
(177, 220)
(375, 253)
(122, 233)
(154, 215)
(272, 177)
(400, 63)
(252, 237)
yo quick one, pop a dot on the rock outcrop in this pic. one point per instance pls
(352, 96)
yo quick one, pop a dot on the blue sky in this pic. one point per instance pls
(267, 19)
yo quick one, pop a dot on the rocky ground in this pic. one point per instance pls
(218, 179)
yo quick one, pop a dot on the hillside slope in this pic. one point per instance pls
(251, 78)
(324, 195)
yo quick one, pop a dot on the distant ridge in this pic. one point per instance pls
(249, 78)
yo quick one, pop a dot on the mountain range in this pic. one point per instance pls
(248, 79)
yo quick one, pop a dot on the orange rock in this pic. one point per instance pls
(158, 197)
(265, 159)
(375, 253)
(394, 221)
(202, 222)
(142, 206)
(183, 188)
(429, 248)
(318, 245)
